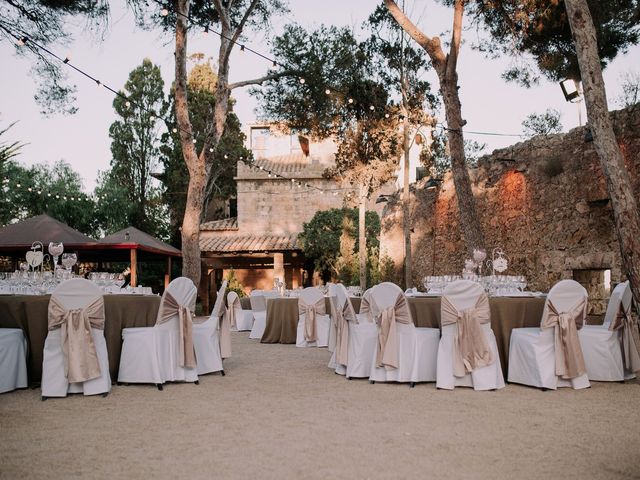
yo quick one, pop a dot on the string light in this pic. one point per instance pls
(164, 12)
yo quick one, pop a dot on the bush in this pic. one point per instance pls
(234, 285)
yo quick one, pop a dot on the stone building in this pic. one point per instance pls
(276, 195)
(544, 201)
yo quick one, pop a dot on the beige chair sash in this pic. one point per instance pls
(569, 358)
(168, 309)
(627, 321)
(310, 311)
(225, 334)
(387, 351)
(231, 312)
(470, 347)
(342, 316)
(79, 352)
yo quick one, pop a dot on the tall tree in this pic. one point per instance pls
(445, 65)
(201, 86)
(401, 68)
(337, 96)
(625, 207)
(135, 145)
(26, 23)
(232, 18)
(544, 123)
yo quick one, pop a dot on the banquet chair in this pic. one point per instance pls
(211, 338)
(239, 320)
(356, 340)
(13, 359)
(550, 356)
(259, 309)
(164, 352)
(403, 353)
(468, 352)
(333, 328)
(313, 321)
(74, 359)
(610, 351)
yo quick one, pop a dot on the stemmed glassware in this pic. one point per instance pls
(55, 250)
(69, 260)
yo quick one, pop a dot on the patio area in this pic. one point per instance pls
(281, 413)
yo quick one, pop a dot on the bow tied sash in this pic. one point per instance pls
(569, 358)
(342, 316)
(168, 309)
(310, 312)
(387, 350)
(629, 339)
(470, 347)
(79, 352)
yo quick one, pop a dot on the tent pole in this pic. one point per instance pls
(167, 277)
(134, 268)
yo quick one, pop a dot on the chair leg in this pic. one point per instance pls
(160, 387)
(372, 382)
(222, 373)
(197, 382)
(44, 398)
(412, 384)
(105, 394)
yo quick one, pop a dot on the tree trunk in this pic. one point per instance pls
(406, 210)
(195, 164)
(623, 202)
(469, 221)
(362, 239)
(445, 67)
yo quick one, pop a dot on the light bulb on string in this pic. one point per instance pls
(206, 31)
(67, 59)
(226, 156)
(18, 185)
(211, 149)
(386, 115)
(128, 104)
(164, 12)
(29, 189)
(350, 100)
(48, 194)
(174, 130)
(98, 83)
(372, 108)
(21, 41)
(242, 48)
(58, 197)
(302, 80)
(194, 140)
(327, 91)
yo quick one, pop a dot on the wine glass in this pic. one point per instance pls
(69, 260)
(119, 280)
(55, 250)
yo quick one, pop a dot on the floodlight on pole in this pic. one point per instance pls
(572, 94)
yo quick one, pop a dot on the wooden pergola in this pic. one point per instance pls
(129, 245)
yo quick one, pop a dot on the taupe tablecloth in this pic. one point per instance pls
(29, 312)
(282, 319)
(245, 303)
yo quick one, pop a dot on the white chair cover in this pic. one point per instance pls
(364, 314)
(331, 291)
(239, 320)
(468, 353)
(13, 359)
(342, 313)
(313, 321)
(403, 352)
(75, 358)
(212, 338)
(611, 349)
(259, 309)
(164, 352)
(550, 356)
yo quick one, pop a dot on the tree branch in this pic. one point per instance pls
(430, 45)
(456, 35)
(240, 27)
(261, 80)
(224, 15)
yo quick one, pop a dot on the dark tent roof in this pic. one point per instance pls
(42, 228)
(131, 237)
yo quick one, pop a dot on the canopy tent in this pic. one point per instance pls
(127, 245)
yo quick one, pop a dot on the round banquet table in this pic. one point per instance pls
(29, 312)
(507, 313)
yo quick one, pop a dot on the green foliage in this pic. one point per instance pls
(45, 22)
(132, 197)
(381, 268)
(540, 29)
(175, 179)
(545, 123)
(436, 157)
(321, 236)
(46, 189)
(8, 149)
(234, 285)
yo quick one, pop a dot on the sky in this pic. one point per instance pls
(489, 104)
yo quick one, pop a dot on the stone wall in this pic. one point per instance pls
(544, 201)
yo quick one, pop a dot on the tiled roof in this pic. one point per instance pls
(248, 243)
(133, 235)
(224, 224)
(43, 228)
(292, 163)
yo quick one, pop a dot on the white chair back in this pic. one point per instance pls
(463, 294)
(565, 295)
(365, 310)
(342, 299)
(258, 303)
(386, 294)
(311, 295)
(76, 293)
(233, 302)
(620, 294)
(218, 306)
(184, 292)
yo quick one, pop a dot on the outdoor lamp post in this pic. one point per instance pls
(571, 91)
